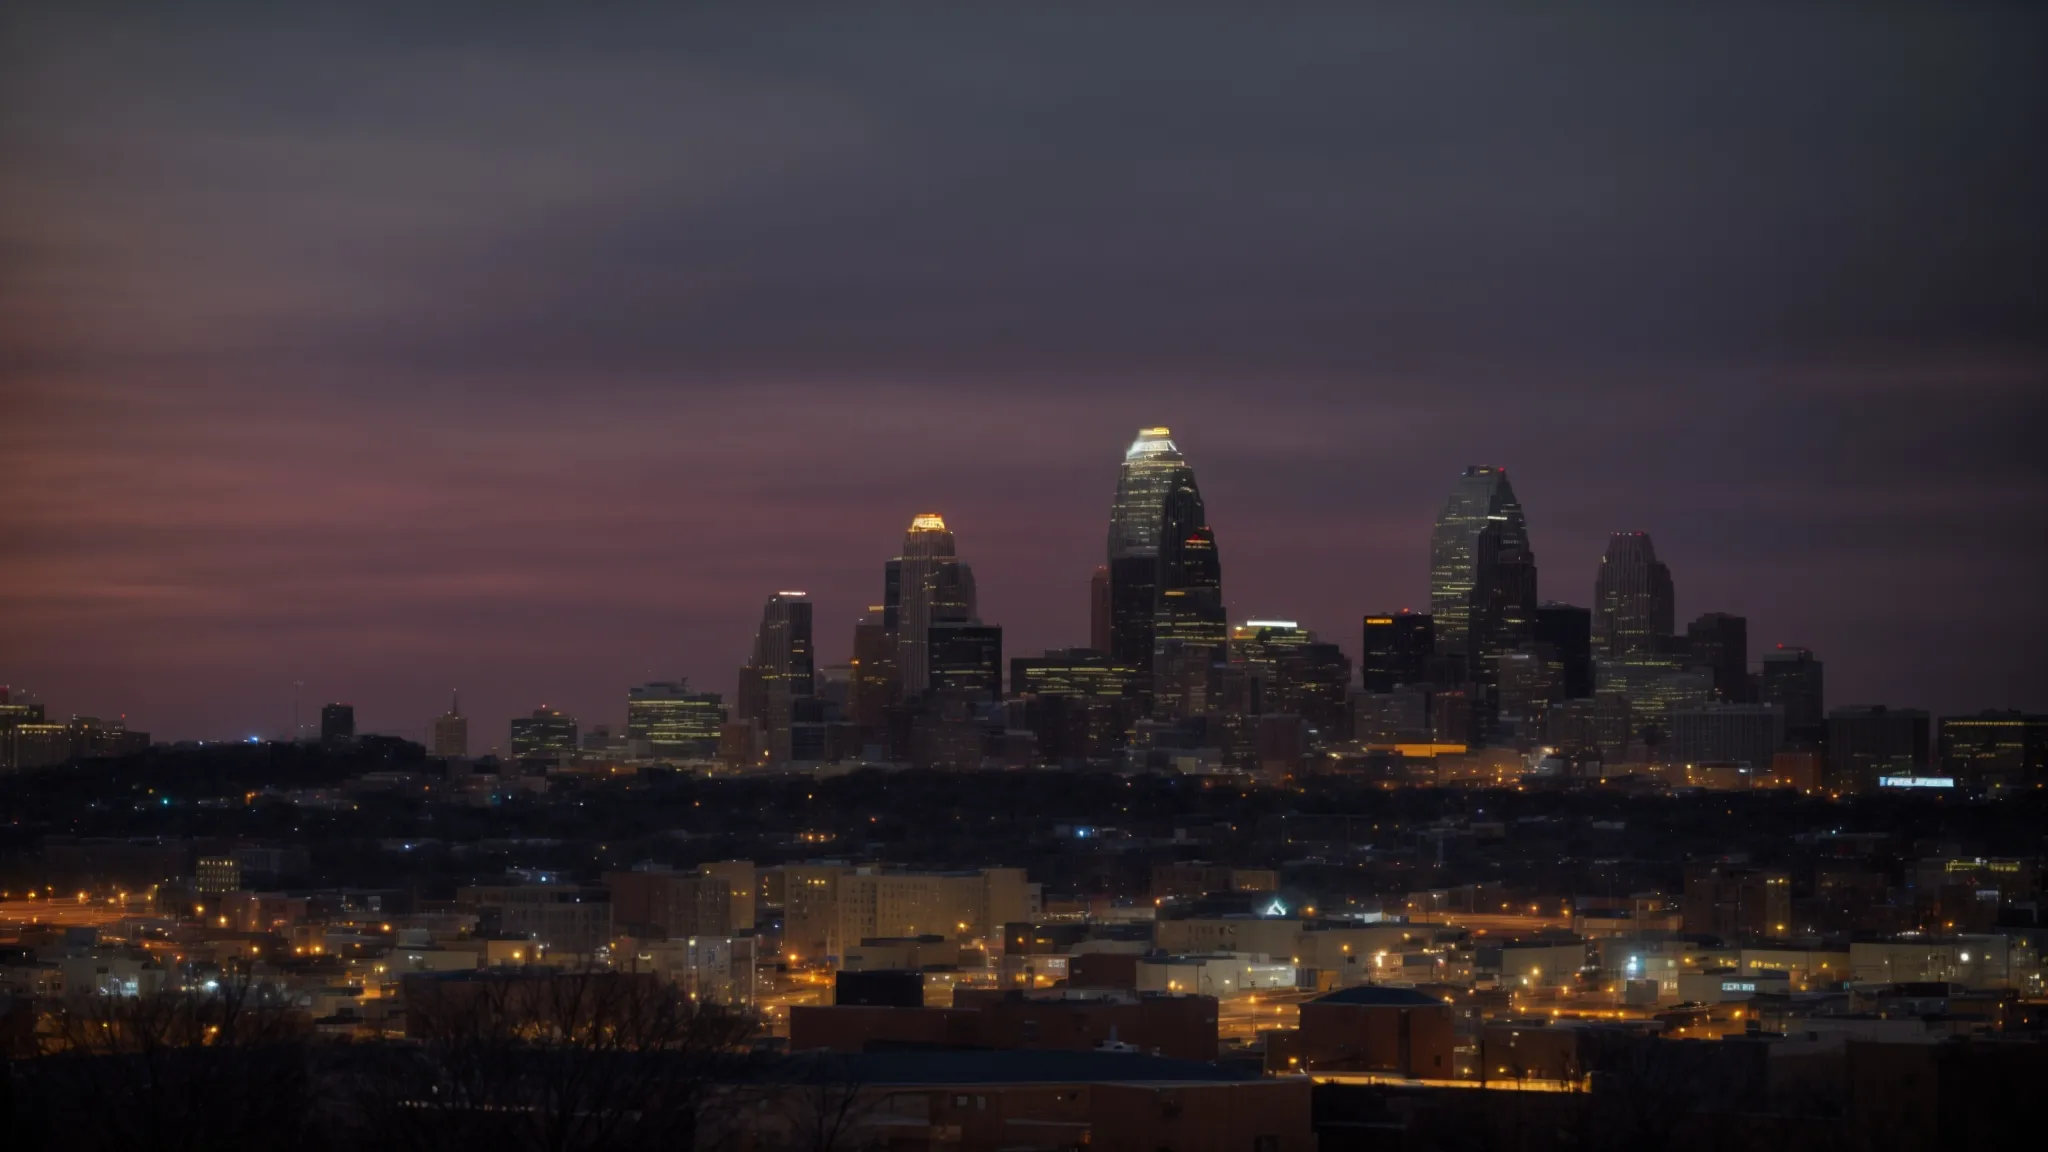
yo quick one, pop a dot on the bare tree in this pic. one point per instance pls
(552, 1062)
(813, 1102)
(171, 1072)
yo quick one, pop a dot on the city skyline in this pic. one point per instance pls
(833, 642)
(734, 575)
(324, 366)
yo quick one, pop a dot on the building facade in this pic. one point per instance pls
(672, 720)
(926, 586)
(1634, 608)
(1482, 586)
(1395, 650)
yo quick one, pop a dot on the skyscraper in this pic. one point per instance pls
(1188, 616)
(1792, 680)
(1165, 581)
(1098, 609)
(1530, 682)
(1633, 604)
(1721, 642)
(1151, 468)
(1482, 579)
(1568, 629)
(875, 685)
(927, 585)
(783, 661)
(337, 723)
(1866, 744)
(1396, 650)
(1741, 733)
(967, 661)
(1995, 750)
(546, 734)
(673, 720)
(451, 731)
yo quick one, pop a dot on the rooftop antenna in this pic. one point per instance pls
(296, 730)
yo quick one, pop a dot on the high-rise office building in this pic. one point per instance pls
(1720, 641)
(1396, 650)
(1482, 583)
(451, 730)
(1188, 613)
(1152, 469)
(1999, 751)
(546, 734)
(673, 720)
(927, 585)
(1748, 734)
(1633, 603)
(966, 661)
(1098, 610)
(1529, 682)
(1075, 702)
(1263, 644)
(1654, 686)
(1866, 744)
(786, 674)
(875, 687)
(1299, 675)
(1568, 630)
(1791, 679)
(19, 711)
(337, 723)
(1315, 684)
(1066, 672)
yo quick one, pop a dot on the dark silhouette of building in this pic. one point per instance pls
(451, 731)
(966, 661)
(1098, 609)
(1727, 733)
(337, 723)
(1720, 641)
(1998, 750)
(875, 686)
(878, 988)
(545, 734)
(1792, 680)
(1867, 743)
(1568, 630)
(1396, 650)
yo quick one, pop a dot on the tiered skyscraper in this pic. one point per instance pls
(1189, 634)
(1148, 472)
(1634, 609)
(1482, 576)
(1165, 578)
(927, 585)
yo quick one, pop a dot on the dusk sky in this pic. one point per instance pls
(520, 351)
